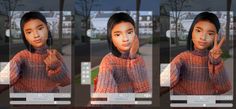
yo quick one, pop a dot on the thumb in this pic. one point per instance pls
(49, 52)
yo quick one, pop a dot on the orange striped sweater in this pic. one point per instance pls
(197, 73)
(122, 75)
(28, 73)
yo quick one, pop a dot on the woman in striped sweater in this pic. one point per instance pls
(37, 68)
(200, 70)
(122, 70)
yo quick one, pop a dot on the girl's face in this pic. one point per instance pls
(36, 32)
(203, 34)
(122, 36)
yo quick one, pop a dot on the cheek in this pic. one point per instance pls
(44, 34)
(210, 40)
(195, 35)
(28, 38)
(115, 41)
(131, 37)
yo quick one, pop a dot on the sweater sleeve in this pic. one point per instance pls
(106, 82)
(218, 75)
(138, 74)
(175, 69)
(62, 72)
(15, 67)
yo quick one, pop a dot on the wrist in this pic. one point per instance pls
(132, 56)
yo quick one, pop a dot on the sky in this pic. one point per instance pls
(197, 5)
(108, 5)
(105, 5)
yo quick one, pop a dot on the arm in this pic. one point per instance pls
(61, 73)
(175, 71)
(106, 83)
(15, 68)
(218, 75)
(138, 75)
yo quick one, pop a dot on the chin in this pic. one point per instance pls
(202, 48)
(39, 45)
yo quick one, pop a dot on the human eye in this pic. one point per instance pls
(28, 32)
(116, 35)
(130, 32)
(41, 27)
(211, 34)
(198, 30)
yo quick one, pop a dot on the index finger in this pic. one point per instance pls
(221, 41)
(215, 40)
(136, 39)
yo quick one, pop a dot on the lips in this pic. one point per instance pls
(38, 41)
(126, 45)
(202, 43)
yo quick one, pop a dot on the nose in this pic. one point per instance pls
(125, 38)
(36, 34)
(203, 36)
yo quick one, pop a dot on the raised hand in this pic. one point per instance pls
(52, 62)
(216, 51)
(134, 48)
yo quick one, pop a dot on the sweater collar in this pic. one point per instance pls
(124, 55)
(41, 50)
(200, 52)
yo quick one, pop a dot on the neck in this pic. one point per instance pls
(41, 50)
(200, 52)
(124, 55)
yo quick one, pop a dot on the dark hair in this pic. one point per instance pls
(115, 19)
(27, 17)
(204, 16)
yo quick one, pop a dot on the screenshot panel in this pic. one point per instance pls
(118, 76)
(39, 70)
(195, 80)
(99, 23)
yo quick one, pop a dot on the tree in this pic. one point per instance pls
(60, 24)
(228, 26)
(176, 6)
(6, 7)
(138, 3)
(83, 8)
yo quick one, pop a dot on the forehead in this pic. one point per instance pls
(33, 23)
(206, 25)
(122, 26)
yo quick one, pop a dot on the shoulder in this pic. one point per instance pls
(107, 63)
(22, 54)
(108, 58)
(182, 56)
(138, 60)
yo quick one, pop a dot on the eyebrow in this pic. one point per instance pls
(199, 28)
(36, 27)
(40, 25)
(117, 32)
(126, 30)
(212, 31)
(130, 29)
